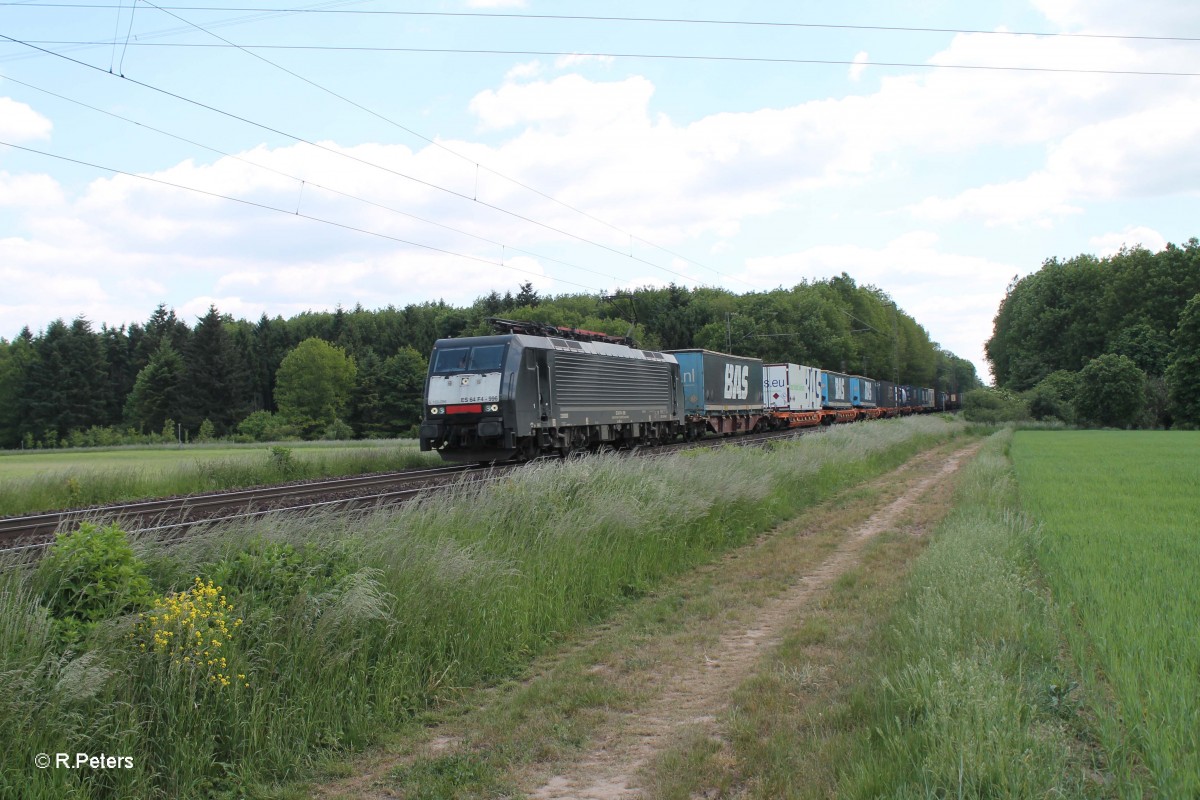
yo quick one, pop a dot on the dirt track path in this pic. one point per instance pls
(692, 696)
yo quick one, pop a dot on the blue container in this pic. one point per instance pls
(864, 392)
(717, 383)
(835, 390)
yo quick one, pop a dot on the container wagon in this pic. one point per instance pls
(723, 394)
(835, 398)
(792, 393)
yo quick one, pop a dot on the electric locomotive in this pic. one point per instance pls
(535, 389)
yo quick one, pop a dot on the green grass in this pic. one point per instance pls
(928, 672)
(1121, 551)
(50, 480)
(354, 625)
(31, 463)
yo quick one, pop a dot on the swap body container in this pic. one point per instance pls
(791, 387)
(835, 390)
(718, 383)
(887, 394)
(864, 392)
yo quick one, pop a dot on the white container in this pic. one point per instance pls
(791, 387)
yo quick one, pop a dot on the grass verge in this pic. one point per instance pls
(78, 479)
(353, 625)
(945, 682)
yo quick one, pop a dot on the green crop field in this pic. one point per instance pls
(30, 463)
(1121, 552)
(43, 480)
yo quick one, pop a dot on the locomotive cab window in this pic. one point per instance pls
(452, 359)
(482, 358)
(487, 358)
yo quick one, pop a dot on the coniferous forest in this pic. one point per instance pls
(360, 373)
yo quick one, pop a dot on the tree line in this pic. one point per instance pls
(361, 372)
(1112, 341)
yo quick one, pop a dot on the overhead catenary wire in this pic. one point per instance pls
(128, 33)
(305, 181)
(112, 60)
(642, 55)
(290, 213)
(478, 165)
(345, 155)
(651, 20)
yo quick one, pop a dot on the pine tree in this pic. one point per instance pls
(14, 364)
(156, 395)
(216, 380)
(119, 356)
(163, 324)
(66, 385)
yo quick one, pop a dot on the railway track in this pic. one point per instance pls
(180, 512)
(173, 516)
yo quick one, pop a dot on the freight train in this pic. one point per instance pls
(533, 390)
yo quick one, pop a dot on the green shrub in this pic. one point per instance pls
(1112, 392)
(1054, 397)
(275, 572)
(263, 426)
(284, 462)
(91, 575)
(993, 406)
(338, 430)
(207, 431)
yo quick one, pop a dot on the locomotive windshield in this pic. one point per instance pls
(481, 358)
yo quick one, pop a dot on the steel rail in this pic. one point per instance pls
(32, 533)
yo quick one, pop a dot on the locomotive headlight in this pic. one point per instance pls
(434, 410)
(492, 407)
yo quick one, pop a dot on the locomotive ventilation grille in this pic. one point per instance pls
(591, 382)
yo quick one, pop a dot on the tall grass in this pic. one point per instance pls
(83, 486)
(967, 668)
(352, 624)
(1121, 548)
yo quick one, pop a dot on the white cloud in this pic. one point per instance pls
(859, 66)
(19, 122)
(29, 191)
(1109, 244)
(954, 296)
(575, 59)
(602, 146)
(1038, 199)
(529, 69)
(569, 102)
(1151, 152)
(1120, 17)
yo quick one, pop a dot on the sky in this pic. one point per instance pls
(283, 157)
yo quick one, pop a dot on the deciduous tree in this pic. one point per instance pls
(1112, 392)
(1183, 374)
(313, 385)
